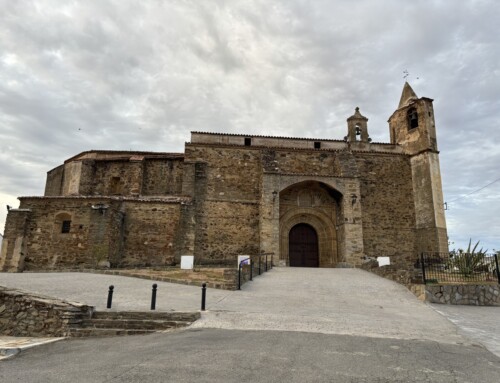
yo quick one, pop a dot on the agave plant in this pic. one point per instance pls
(468, 262)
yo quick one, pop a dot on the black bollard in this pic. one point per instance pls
(203, 296)
(266, 262)
(239, 276)
(251, 269)
(110, 296)
(153, 297)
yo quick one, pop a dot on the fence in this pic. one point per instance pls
(461, 267)
(258, 264)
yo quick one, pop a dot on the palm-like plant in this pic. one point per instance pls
(468, 262)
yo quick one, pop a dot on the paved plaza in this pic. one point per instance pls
(330, 301)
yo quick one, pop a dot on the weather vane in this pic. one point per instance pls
(406, 74)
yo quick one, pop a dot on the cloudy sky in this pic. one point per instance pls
(140, 75)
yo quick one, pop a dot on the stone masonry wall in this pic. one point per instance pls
(227, 190)
(71, 178)
(231, 174)
(48, 247)
(25, 314)
(117, 177)
(304, 162)
(54, 181)
(87, 177)
(162, 177)
(126, 233)
(229, 229)
(149, 233)
(387, 207)
(476, 295)
(13, 250)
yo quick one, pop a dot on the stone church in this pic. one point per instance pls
(310, 202)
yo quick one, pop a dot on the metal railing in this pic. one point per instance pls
(259, 266)
(460, 267)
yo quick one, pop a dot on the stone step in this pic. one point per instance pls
(148, 315)
(95, 332)
(113, 323)
(137, 324)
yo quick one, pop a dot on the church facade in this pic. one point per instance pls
(312, 203)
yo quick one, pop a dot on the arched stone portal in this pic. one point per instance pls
(316, 205)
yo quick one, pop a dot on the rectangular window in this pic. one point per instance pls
(248, 141)
(66, 226)
(317, 145)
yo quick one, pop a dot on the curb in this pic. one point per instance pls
(10, 352)
(7, 353)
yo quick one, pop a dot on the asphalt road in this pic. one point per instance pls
(212, 355)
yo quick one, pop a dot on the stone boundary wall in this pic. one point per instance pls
(390, 272)
(476, 295)
(26, 314)
(230, 281)
(230, 276)
(228, 284)
(466, 294)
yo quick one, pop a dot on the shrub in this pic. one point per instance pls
(467, 262)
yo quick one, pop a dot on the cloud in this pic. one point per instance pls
(135, 75)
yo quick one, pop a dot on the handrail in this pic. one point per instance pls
(239, 270)
(251, 262)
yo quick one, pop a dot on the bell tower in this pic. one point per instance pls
(413, 128)
(357, 128)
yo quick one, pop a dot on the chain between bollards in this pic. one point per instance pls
(203, 296)
(110, 296)
(153, 296)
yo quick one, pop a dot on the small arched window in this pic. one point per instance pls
(412, 117)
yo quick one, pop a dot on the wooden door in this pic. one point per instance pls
(303, 246)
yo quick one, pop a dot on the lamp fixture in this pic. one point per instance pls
(101, 207)
(354, 198)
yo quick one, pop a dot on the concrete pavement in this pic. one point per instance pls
(330, 301)
(130, 294)
(478, 323)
